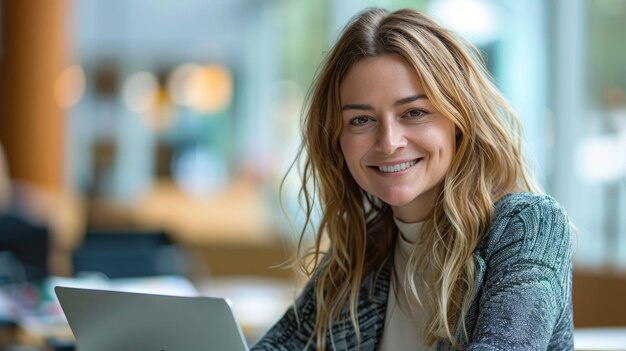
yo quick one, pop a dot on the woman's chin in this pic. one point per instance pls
(397, 201)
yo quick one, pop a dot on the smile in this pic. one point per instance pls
(398, 167)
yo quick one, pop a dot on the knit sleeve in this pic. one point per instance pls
(295, 327)
(526, 295)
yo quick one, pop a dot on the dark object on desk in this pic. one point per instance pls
(127, 254)
(8, 334)
(28, 243)
(60, 345)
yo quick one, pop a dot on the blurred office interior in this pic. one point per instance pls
(143, 142)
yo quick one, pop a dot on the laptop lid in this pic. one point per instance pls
(108, 320)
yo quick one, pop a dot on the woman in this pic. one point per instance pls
(439, 238)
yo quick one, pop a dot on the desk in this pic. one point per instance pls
(232, 233)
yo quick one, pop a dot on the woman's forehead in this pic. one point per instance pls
(377, 77)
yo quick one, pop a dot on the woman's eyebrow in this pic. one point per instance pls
(356, 107)
(366, 107)
(406, 100)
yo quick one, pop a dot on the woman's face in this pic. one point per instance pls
(396, 145)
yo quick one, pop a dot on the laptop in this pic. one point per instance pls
(111, 320)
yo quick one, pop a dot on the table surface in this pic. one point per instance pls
(600, 338)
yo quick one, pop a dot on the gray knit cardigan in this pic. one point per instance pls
(522, 299)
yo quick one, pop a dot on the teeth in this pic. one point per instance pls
(397, 168)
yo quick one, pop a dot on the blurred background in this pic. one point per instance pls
(142, 143)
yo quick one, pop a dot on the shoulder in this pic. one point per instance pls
(528, 226)
(537, 212)
(524, 204)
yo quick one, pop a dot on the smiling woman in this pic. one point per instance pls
(438, 236)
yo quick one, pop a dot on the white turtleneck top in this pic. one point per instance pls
(403, 323)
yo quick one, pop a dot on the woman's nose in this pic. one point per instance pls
(391, 137)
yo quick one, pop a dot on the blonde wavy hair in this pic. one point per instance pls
(361, 234)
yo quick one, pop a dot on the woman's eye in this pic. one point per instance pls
(415, 113)
(359, 121)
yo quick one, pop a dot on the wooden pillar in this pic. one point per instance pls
(33, 51)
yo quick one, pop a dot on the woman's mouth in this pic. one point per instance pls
(398, 167)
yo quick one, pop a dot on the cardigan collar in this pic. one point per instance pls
(371, 308)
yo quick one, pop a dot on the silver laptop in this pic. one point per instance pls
(107, 320)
